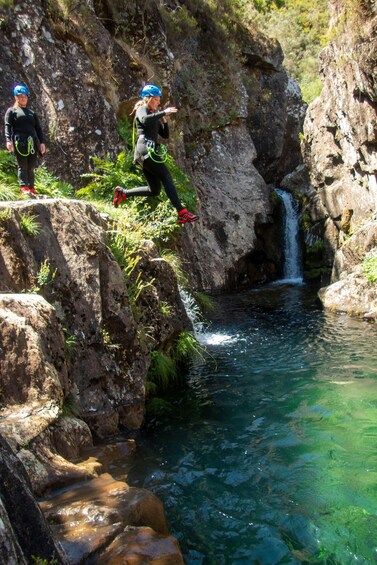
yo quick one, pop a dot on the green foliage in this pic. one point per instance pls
(70, 343)
(165, 308)
(369, 268)
(127, 132)
(306, 220)
(42, 561)
(63, 8)
(9, 189)
(29, 224)
(206, 303)
(301, 27)
(314, 260)
(128, 257)
(107, 340)
(187, 347)
(50, 185)
(6, 4)
(44, 276)
(109, 174)
(5, 215)
(176, 264)
(45, 182)
(164, 370)
(70, 408)
(157, 406)
(180, 23)
(263, 6)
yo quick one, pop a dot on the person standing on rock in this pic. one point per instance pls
(24, 137)
(151, 123)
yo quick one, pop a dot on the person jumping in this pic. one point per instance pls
(151, 123)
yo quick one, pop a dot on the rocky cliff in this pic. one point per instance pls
(239, 117)
(62, 285)
(74, 362)
(339, 148)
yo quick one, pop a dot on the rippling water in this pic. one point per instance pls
(268, 454)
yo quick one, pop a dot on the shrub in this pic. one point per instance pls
(29, 224)
(369, 268)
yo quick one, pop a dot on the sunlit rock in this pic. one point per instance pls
(88, 517)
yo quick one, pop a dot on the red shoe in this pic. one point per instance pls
(119, 196)
(184, 217)
(27, 190)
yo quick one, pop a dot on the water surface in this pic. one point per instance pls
(268, 453)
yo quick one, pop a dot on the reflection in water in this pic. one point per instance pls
(268, 453)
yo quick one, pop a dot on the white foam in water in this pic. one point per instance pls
(193, 312)
(295, 281)
(214, 338)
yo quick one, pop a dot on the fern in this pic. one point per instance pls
(29, 224)
(50, 185)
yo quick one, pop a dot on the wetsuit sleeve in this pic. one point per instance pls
(145, 118)
(163, 130)
(38, 129)
(8, 124)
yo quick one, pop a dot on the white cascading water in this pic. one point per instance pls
(292, 271)
(201, 332)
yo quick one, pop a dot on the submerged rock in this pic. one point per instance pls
(93, 520)
(141, 545)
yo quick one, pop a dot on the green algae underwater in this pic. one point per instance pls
(268, 453)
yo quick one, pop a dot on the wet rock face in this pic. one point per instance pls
(339, 148)
(24, 533)
(229, 211)
(341, 125)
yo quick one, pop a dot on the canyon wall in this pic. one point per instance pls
(339, 149)
(236, 132)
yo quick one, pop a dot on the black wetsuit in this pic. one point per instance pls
(148, 128)
(20, 124)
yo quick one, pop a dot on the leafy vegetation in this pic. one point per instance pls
(48, 184)
(369, 268)
(301, 28)
(6, 4)
(9, 189)
(42, 561)
(45, 276)
(29, 224)
(129, 226)
(70, 343)
(165, 364)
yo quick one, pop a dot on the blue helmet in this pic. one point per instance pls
(150, 90)
(20, 89)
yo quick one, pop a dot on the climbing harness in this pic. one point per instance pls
(158, 156)
(29, 146)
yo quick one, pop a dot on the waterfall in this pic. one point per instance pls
(292, 271)
(201, 329)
